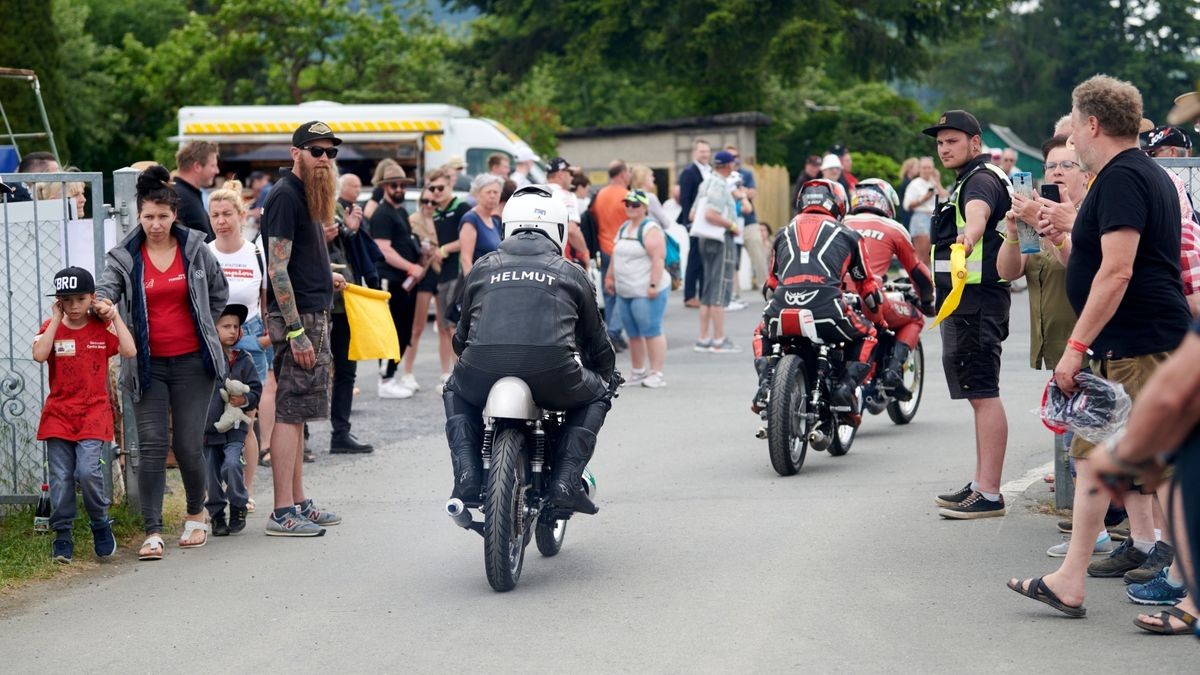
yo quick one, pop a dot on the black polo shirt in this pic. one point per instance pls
(285, 216)
(1133, 191)
(191, 208)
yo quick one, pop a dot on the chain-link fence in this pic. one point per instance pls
(56, 229)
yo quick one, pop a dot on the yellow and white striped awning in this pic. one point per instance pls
(347, 127)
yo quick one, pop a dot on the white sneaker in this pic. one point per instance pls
(394, 389)
(654, 381)
(410, 382)
(735, 306)
(635, 377)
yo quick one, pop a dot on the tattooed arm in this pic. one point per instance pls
(280, 255)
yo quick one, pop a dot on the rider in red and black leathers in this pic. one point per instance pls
(811, 256)
(872, 211)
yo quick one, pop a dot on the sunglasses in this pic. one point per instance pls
(435, 188)
(428, 202)
(393, 186)
(318, 151)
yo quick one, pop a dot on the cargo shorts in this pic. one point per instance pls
(971, 346)
(301, 395)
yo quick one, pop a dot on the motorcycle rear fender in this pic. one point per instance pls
(510, 398)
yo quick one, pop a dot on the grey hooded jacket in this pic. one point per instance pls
(121, 282)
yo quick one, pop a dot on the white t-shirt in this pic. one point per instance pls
(569, 199)
(917, 189)
(244, 272)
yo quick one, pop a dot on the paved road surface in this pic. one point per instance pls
(701, 560)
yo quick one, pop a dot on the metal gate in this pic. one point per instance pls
(39, 238)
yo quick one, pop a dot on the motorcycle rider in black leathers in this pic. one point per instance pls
(530, 313)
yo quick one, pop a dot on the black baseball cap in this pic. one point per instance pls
(837, 149)
(313, 131)
(557, 164)
(73, 281)
(240, 311)
(1162, 137)
(956, 119)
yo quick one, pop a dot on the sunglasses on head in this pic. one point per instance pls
(318, 151)
(435, 188)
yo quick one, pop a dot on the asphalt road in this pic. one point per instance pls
(702, 559)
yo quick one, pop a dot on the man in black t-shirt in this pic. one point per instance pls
(1123, 279)
(298, 301)
(402, 269)
(972, 335)
(196, 165)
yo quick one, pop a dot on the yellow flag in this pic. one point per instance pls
(958, 277)
(372, 333)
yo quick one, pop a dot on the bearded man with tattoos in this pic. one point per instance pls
(299, 298)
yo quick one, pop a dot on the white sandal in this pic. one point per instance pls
(250, 505)
(155, 543)
(190, 526)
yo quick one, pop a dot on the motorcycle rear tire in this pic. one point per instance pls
(503, 539)
(786, 443)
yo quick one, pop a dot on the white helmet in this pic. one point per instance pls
(535, 207)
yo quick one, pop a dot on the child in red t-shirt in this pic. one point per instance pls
(77, 418)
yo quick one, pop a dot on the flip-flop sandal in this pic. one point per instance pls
(155, 543)
(1189, 622)
(250, 505)
(264, 458)
(190, 526)
(1038, 590)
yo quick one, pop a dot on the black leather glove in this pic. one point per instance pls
(928, 308)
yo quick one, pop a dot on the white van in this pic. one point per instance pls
(421, 136)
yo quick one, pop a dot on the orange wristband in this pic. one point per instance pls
(1077, 346)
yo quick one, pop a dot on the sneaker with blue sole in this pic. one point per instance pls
(103, 540)
(1104, 546)
(63, 549)
(1157, 591)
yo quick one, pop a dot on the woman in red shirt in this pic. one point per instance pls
(174, 288)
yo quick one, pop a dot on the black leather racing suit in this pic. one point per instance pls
(528, 312)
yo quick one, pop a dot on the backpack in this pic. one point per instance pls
(672, 257)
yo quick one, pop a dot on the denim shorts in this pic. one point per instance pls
(919, 224)
(262, 356)
(642, 317)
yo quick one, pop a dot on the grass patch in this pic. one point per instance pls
(25, 554)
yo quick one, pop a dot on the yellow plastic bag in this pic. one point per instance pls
(372, 333)
(958, 278)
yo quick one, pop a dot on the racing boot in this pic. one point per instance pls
(763, 366)
(892, 378)
(575, 448)
(856, 372)
(465, 436)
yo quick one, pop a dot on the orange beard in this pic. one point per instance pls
(320, 191)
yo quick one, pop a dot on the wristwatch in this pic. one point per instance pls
(295, 327)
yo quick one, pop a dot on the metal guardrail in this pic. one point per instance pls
(38, 239)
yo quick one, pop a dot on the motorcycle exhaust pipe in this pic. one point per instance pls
(459, 514)
(818, 440)
(589, 484)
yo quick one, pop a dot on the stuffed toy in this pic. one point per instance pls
(233, 417)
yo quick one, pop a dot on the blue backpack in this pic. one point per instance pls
(672, 245)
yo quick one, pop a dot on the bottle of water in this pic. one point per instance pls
(41, 516)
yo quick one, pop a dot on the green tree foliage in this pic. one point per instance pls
(637, 60)
(44, 57)
(1023, 70)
